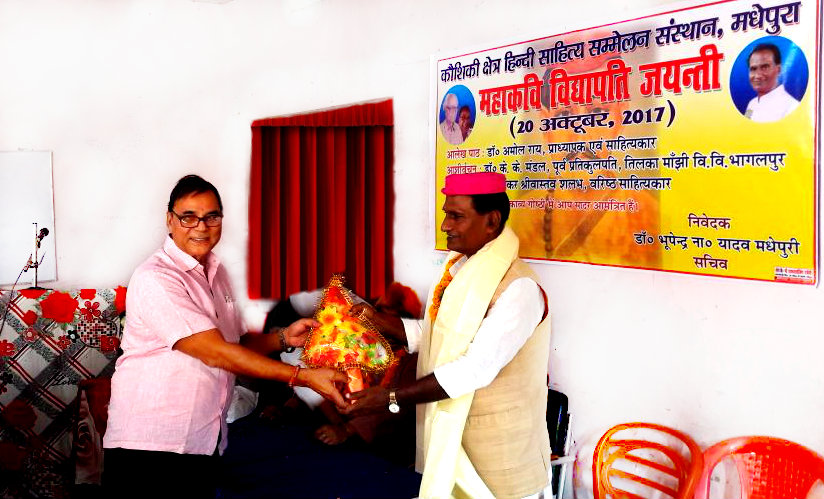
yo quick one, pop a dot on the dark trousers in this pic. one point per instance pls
(143, 474)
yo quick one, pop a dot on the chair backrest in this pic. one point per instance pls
(638, 460)
(557, 421)
(557, 424)
(768, 467)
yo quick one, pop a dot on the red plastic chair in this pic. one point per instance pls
(768, 467)
(653, 466)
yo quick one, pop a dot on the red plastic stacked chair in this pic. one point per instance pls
(768, 467)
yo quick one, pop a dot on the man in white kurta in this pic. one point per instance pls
(507, 326)
(483, 348)
(772, 101)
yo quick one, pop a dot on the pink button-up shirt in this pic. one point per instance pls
(163, 399)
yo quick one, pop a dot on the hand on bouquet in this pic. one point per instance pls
(372, 399)
(297, 332)
(323, 380)
(386, 323)
(363, 311)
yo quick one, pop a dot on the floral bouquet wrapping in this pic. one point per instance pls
(344, 342)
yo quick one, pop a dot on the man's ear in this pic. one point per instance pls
(493, 220)
(169, 221)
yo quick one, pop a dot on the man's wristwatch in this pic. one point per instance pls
(394, 408)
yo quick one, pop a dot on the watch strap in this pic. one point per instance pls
(393, 402)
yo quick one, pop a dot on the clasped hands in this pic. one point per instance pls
(327, 382)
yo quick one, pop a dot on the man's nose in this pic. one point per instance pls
(445, 225)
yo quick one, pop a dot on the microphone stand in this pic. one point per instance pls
(29, 264)
(35, 264)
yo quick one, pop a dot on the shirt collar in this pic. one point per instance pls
(187, 262)
(463, 259)
(772, 94)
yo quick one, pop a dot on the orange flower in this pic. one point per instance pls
(370, 339)
(334, 295)
(328, 316)
(437, 295)
(349, 325)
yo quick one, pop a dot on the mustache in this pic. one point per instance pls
(586, 154)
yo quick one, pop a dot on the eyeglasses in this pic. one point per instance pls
(191, 221)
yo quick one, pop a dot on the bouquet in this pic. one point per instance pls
(344, 342)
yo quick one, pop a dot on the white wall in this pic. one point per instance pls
(131, 95)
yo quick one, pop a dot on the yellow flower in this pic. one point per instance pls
(328, 316)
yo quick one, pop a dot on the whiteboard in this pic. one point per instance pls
(26, 198)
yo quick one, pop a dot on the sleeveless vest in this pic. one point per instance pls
(506, 435)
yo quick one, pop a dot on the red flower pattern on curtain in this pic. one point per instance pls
(321, 201)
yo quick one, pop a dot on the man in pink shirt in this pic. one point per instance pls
(183, 344)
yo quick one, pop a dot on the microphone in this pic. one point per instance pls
(43, 233)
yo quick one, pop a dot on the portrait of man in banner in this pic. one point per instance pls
(579, 222)
(769, 79)
(456, 115)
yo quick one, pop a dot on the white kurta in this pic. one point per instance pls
(505, 329)
(507, 326)
(452, 133)
(772, 106)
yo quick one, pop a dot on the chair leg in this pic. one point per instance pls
(561, 462)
